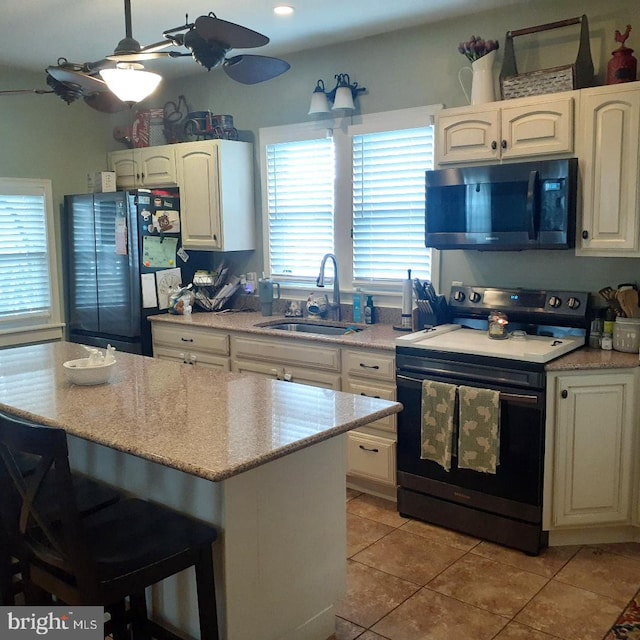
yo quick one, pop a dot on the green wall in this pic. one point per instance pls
(43, 137)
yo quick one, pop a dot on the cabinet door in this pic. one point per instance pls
(198, 173)
(538, 129)
(593, 449)
(609, 168)
(125, 164)
(470, 137)
(158, 166)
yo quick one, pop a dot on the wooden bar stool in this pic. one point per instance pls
(106, 558)
(91, 497)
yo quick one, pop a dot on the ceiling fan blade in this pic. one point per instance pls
(84, 83)
(106, 102)
(250, 69)
(232, 35)
(7, 92)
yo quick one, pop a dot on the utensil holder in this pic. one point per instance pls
(423, 318)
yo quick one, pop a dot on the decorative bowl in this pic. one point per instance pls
(81, 372)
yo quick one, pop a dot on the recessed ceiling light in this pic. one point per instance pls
(283, 10)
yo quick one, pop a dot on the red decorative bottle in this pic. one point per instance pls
(623, 66)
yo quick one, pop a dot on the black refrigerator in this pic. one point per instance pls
(122, 254)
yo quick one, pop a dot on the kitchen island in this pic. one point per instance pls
(261, 459)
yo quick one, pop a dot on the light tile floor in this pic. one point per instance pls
(407, 580)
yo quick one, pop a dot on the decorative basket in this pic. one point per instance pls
(563, 78)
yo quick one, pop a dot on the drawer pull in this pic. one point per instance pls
(361, 446)
(186, 339)
(369, 366)
(367, 396)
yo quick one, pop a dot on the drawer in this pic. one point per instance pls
(190, 338)
(202, 359)
(371, 457)
(369, 364)
(374, 389)
(286, 352)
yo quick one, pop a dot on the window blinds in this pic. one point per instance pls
(300, 185)
(24, 260)
(388, 203)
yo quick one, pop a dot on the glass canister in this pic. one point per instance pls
(498, 323)
(626, 335)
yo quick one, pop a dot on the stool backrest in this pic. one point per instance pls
(46, 530)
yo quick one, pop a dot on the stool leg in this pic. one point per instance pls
(207, 610)
(139, 621)
(118, 621)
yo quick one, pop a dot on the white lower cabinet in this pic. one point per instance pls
(371, 450)
(191, 345)
(293, 361)
(590, 449)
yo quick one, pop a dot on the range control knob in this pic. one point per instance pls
(554, 302)
(458, 296)
(474, 296)
(573, 303)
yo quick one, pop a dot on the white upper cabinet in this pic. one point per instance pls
(608, 142)
(496, 131)
(216, 195)
(215, 178)
(145, 167)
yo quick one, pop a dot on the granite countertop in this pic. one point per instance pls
(207, 423)
(380, 336)
(373, 336)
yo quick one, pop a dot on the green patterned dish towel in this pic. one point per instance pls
(479, 429)
(438, 411)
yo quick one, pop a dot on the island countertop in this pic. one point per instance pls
(209, 424)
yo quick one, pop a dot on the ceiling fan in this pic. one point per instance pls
(208, 40)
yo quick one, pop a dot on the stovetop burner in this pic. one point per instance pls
(543, 325)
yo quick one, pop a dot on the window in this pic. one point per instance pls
(388, 203)
(356, 191)
(300, 194)
(28, 275)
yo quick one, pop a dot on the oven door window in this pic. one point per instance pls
(519, 473)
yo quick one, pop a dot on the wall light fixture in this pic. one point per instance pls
(342, 95)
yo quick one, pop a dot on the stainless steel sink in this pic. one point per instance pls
(310, 327)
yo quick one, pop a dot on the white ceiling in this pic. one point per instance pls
(41, 31)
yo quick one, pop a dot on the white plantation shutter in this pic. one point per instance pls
(388, 204)
(25, 278)
(300, 185)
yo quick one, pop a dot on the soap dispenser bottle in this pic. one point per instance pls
(357, 305)
(369, 311)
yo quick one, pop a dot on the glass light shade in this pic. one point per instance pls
(131, 85)
(344, 99)
(319, 102)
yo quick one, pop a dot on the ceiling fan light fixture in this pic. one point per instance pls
(130, 82)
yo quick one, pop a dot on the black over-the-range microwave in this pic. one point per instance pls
(505, 207)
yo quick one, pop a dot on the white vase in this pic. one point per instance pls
(482, 82)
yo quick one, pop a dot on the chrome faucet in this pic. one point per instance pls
(334, 306)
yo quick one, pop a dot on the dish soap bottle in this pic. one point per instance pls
(357, 305)
(369, 311)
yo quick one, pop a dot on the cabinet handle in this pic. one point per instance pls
(565, 393)
(369, 366)
(585, 235)
(367, 449)
(186, 339)
(368, 396)
(494, 145)
(503, 144)
(142, 175)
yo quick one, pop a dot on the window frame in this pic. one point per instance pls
(23, 330)
(389, 292)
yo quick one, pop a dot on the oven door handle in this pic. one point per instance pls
(516, 398)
